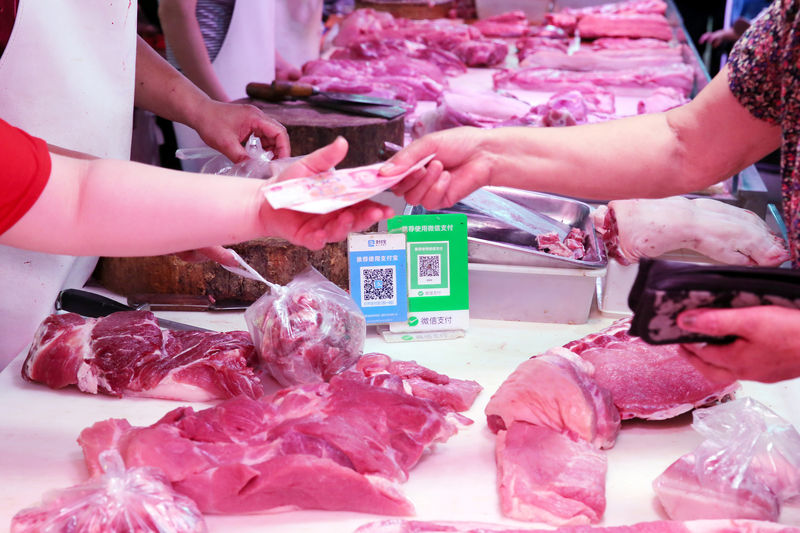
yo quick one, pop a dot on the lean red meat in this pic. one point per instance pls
(646, 381)
(555, 390)
(572, 246)
(679, 76)
(632, 229)
(342, 445)
(661, 526)
(545, 476)
(450, 393)
(127, 354)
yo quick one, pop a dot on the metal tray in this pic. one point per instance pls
(495, 242)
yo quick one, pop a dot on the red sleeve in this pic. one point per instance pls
(24, 171)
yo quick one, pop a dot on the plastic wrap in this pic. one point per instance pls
(259, 164)
(136, 500)
(743, 441)
(308, 330)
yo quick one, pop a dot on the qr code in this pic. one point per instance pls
(378, 286)
(429, 268)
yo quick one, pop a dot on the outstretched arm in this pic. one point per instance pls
(647, 156)
(119, 208)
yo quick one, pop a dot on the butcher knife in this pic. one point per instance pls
(514, 214)
(353, 104)
(94, 305)
(185, 302)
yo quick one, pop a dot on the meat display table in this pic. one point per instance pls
(38, 450)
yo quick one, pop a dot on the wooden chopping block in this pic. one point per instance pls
(277, 260)
(421, 9)
(312, 127)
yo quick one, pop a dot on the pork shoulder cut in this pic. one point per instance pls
(128, 354)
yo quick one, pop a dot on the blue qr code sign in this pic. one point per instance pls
(378, 285)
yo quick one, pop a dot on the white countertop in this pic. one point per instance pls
(39, 427)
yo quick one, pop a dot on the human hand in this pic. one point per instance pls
(767, 348)
(460, 167)
(225, 126)
(285, 71)
(313, 231)
(718, 37)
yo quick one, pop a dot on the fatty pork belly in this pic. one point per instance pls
(637, 228)
(646, 381)
(659, 526)
(342, 445)
(128, 354)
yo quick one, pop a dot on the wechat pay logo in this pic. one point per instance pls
(413, 321)
(407, 337)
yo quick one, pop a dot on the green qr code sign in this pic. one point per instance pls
(429, 265)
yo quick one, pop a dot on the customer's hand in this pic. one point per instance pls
(225, 126)
(767, 347)
(460, 167)
(314, 231)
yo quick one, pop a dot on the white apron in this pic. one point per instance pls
(67, 76)
(298, 30)
(247, 54)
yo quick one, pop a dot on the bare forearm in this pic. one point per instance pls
(183, 35)
(163, 90)
(680, 151)
(119, 208)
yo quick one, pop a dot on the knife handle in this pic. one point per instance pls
(279, 90)
(88, 303)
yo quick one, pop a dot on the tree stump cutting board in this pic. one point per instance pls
(277, 260)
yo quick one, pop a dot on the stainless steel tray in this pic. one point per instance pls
(495, 242)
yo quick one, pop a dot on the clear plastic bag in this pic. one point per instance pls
(745, 441)
(307, 331)
(136, 500)
(260, 163)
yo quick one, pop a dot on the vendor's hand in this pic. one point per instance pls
(460, 167)
(285, 71)
(767, 348)
(225, 126)
(314, 231)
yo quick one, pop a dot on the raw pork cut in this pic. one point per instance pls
(680, 77)
(747, 465)
(447, 392)
(128, 354)
(510, 24)
(587, 58)
(661, 99)
(572, 246)
(646, 381)
(342, 445)
(661, 526)
(625, 25)
(632, 229)
(556, 390)
(545, 476)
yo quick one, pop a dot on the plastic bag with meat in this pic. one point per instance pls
(132, 500)
(307, 331)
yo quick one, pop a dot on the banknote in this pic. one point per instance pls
(331, 190)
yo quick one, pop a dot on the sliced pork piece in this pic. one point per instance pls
(589, 59)
(662, 99)
(128, 354)
(679, 76)
(555, 390)
(625, 25)
(449, 393)
(509, 24)
(545, 476)
(342, 445)
(632, 229)
(646, 381)
(660, 526)
(684, 497)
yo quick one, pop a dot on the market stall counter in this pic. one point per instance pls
(457, 481)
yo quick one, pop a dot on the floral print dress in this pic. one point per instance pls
(764, 76)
